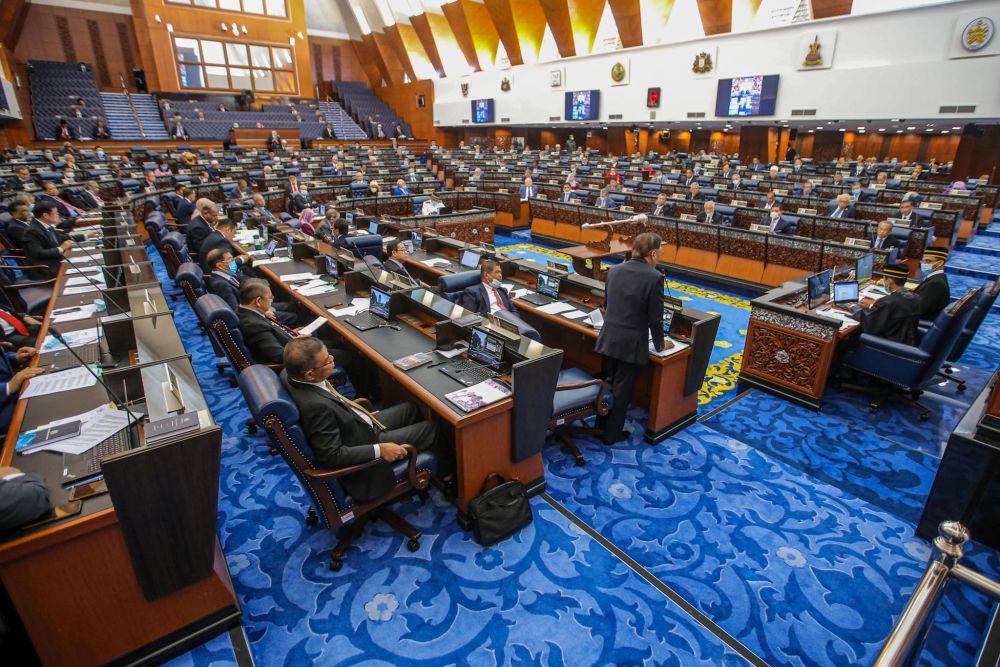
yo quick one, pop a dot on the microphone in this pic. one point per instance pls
(96, 284)
(114, 397)
(641, 217)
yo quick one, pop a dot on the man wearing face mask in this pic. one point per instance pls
(894, 316)
(488, 297)
(775, 223)
(933, 290)
(299, 200)
(856, 193)
(222, 237)
(225, 279)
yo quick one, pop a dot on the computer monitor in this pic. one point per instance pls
(289, 240)
(272, 245)
(470, 259)
(418, 240)
(548, 285)
(485, 347)
(668, 317)
(893, 256)
(863, 268)
(846, 292)
(373, 227)
(819, 288)
(349, 217)
(331, 266)
(379, 303)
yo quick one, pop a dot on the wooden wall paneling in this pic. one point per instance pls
(754, 143)
(716, 16)
(399, 49)
(595, 139)
(422, 27)
(826, 145)
(586, 19)
(680, 140)
(66, 39)
(403, 99)
(944, 148)
(700, 141)
(484, 34)
(126, 41)
(455, 15)
(904, 147)
(978, 152)
(12, 16)
(503, 21)
(824, 9)
(804, 144)
(364, 56)
(144, 44)
(628, 18)
(376, 55)
(557, 15)
(103, 76)
(339, 61)
(14, 132)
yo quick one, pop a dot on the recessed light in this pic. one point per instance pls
(819, 127)
(945, 131)
(881, 129)
(861, 128)
(911, 128)
(895, 120)
(899, 131)
(956, 128)
(812, 131)
(843, 129)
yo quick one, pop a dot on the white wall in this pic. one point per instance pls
(885, 66)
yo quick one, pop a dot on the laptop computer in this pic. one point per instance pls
(377, 314)
(845, 292)
(470, 259)
(483, 362)
(547, 290)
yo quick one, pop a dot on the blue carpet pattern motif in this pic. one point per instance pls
(803, 552)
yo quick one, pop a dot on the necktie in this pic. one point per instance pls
(878, 243)
(354, 406)
(657, 211)
(496, 295)
(69, 207)
(14, 322)
(290, 332)
(295, 187)
(52, 235)
(837, 213)
(708, 219)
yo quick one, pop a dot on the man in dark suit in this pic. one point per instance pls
(21, 179)
(44, 243)
(328, 132)
(775, 222)
(738, 183)
(908, 213)
(299, 201)
(529, 189)
(603, 201)
(842, 208)
(200, 226)
(225, 279)
(633, 315)
(266, 337)
(883, 239)
(23, 498)
(67, 211)
(694, 193)
(20, 216)
(340, 230)
(222, 238)
(710, 217)
(566, 196)
(178, 131)
(396, 261)
(184, 209)
(660, 207)
(487, 297)
(341, 432)
(90, 196)
(65, 132)
(689, 178)
(274, 141)
(894, 316)
(933, 290)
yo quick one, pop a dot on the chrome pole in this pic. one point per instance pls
(904, 644)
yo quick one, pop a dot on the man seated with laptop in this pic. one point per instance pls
(265, 337)
(488, 296)
(341, 432)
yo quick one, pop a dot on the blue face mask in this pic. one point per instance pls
(926, 267)
(494, 283)
(232, 267)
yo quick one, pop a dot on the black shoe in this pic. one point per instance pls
(621, 437)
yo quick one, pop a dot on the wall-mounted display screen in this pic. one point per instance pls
(482, 111)
(583, 105)
(747, 96)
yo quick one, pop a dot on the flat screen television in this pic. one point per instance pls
(482, 111)
(747, 96)
(583, 105)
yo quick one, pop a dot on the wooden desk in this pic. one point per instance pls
(581, 254)
(74, 583)
(258, 136)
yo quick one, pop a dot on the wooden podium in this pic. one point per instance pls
(256, 137)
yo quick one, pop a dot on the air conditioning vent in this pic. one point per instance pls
(968, 108)
(696, 114)
(465, 121)
(803, 112)
(553, 118)
(615, 116)
(505, 120)
(652, 115)
(951, 109)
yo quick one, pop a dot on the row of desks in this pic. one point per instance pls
(138, 572)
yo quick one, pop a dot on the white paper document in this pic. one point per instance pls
(315, 290)
(435, 261)
(80, 289)
(97, 425)
(51, 383)
(556, 307)
(520, 292)
(85, 280)
(574, 315)
(76, 313)
(74, 338)
(296, 277)
(311, 328)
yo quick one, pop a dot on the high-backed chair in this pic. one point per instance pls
(190, 278)
(174, 253)
(23, 294)
(980, 309)
(274, 410)
(224, 325)
(578, 396)
(452, 285)
(523, 328)
(365, 244)
(907, 367)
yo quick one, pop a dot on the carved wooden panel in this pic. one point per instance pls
(66, 39)
(746, 244)
(100, 59)
(565, 213)
(794, 253)
(696, 235)
(125, 42)
(787, 358)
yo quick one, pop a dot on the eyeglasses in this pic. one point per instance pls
(329, 360)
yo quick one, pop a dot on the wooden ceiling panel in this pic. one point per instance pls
(423, 29)
(529, 21)
(484, 33)
(586, 19)
(367, 60)
(502, 17)
(824, 9)
(455, 13)
(399, 49)
(388, 57)
(716, 16)
(628, 18)
(557, 15)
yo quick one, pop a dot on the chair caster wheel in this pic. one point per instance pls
(233, 383)
(580, 462)
(924, 418)
(413, 545)
(311, 518)
(273, 451)
(336, 564)
(961, 387)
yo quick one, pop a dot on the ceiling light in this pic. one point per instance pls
(299, 35)
(291, 40)
(812, 131)
(225, 28)
(945, 131)
(170, 27)
(911, 128)
(236, 29)
(244, 28)
(158, 19)
(956, 128)
(843, 130)
(881, 129)
(895, 120)
(899, 131)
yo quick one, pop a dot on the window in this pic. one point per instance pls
(215, 65)
(269, 7)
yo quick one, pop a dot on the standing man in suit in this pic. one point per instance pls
(201, 226)
(44, 243)
(488, 296)
(884, 240)
(396, 261)
(633, 315)
(775, 223)
(602, 200)
(529, 189)
(274, 142)
(894, 316)
(933, 290)
(842, 208)
(341, 432)
(660, 207)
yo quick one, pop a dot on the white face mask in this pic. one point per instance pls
(775, 216)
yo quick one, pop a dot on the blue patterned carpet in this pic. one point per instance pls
(800, 548)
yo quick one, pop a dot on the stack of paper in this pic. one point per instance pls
(51, 383)
(87, 280)
(357, 305)
(97, 425)
(73, 338)
(556, 307)
(74, 313)
(435, 261)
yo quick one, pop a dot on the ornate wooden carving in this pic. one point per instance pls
(738, 243)
(100, 59)
(125, 41)
(786, 358)
(66, 38)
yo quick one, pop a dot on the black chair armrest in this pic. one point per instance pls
(38, 283)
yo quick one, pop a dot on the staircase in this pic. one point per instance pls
(122, 123)
(343, 125)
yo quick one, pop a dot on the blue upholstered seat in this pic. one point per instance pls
(365, 244)
(570, 400)
(452, 285)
